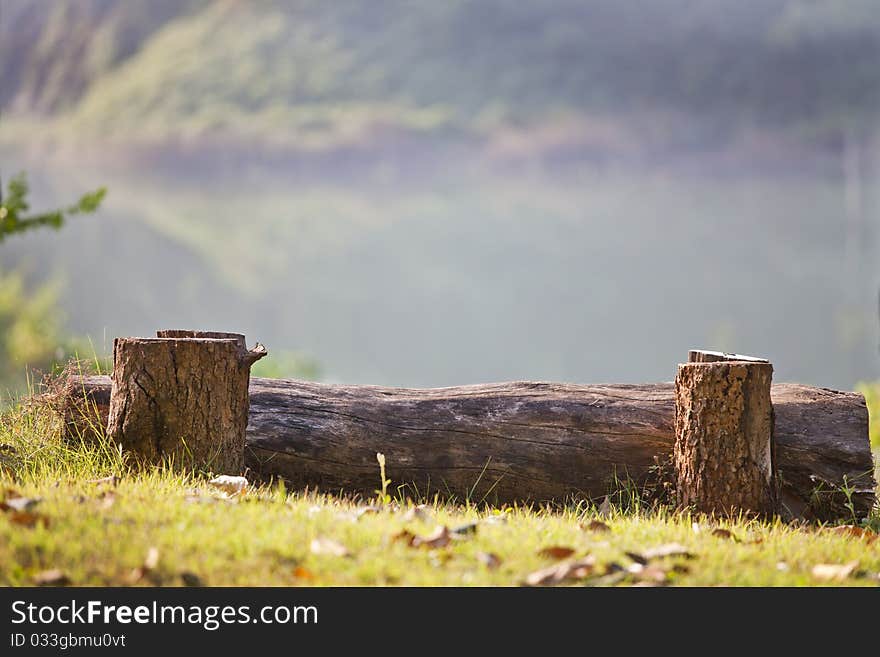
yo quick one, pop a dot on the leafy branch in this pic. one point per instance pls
(14, 207)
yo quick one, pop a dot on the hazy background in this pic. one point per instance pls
(432, 193)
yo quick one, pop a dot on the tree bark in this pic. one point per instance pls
(539, 441)
(182, 400)
(723, 438)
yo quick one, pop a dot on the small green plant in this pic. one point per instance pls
(382, 495)
(871, 391)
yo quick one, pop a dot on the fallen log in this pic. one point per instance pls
(520, 441)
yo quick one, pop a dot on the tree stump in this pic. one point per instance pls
(723, 453)
(182, 399)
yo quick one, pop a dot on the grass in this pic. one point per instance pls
(100, 532)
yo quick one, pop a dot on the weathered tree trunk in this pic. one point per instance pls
(538, 441)
(182, 400)
(723, 437)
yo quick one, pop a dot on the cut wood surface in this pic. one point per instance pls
(705, 356)
(520, 441)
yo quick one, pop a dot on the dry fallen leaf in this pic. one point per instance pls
(495, 519)
(854, 531)
(643, 574)
(20, 504)
(724, 533)
(27, 518)
(464, 530)
(302, 573)
(488, 559)
(439, 538)
(329, 546)
(229, 484)
(52, 577)
(605, 509)
(562, 572)
(834, 572)
(404, 535)
(595, 526)
(556, 552)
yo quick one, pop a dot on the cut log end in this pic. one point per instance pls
(706, 356)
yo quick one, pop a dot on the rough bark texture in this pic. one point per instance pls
(545, 440)
(723, 438)
(181, 400)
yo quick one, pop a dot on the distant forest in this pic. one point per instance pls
(319, 74)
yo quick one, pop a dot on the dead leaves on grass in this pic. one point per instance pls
(440, 537)
(853, 531)
(567, 571)
(21, 510)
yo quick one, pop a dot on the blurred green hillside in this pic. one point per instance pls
(312, 74)
(430, 193)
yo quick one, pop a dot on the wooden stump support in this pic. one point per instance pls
(723, 454)
(182, 398)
